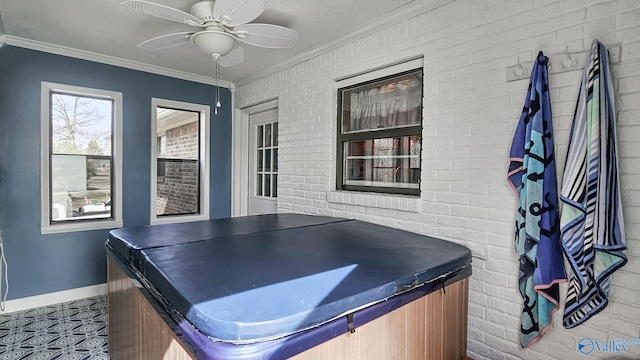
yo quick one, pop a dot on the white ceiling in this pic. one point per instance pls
(105, 27)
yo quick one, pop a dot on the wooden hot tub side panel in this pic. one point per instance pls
(136, 331)
(432, 327)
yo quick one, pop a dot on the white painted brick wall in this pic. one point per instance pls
(470, 113)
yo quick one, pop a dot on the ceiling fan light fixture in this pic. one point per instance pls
(223, 25)
(213, 42)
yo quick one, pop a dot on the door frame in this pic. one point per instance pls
(242, 146)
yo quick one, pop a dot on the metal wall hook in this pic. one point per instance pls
(560, 63)
(571, 62)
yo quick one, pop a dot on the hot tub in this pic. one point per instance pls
(285, 285)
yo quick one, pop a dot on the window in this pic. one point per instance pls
(180, 162)
(81, 158)
(380, 132)
(267, 160)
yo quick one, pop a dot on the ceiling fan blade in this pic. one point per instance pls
(235, 57)
(166, 41)
(236, 12)
(163, 12)
(267, 35)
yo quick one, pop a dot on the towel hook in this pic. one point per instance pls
(523, 72)
(572, 62)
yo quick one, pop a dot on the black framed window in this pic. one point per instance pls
(80, 157)
(178, 177)
(379, 138)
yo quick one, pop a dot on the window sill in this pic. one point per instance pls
(179, 219)
(375, 200)
(85, 226)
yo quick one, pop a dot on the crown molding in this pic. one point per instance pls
(403, 13)
(108, 60)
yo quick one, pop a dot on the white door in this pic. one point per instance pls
(263, 162)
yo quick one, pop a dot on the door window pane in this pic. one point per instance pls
(275, 134)
(267, 134)
(267, 160)
(275, 185)
(260, 136)
(275, 160)
(259, 185)
(260, 160)
(267, 185)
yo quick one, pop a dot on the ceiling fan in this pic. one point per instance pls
(223, 25)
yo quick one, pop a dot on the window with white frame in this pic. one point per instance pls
(180, 162)
(81, 158)
(379, 140)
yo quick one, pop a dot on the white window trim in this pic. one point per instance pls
(46, 227)
(241, 147)
(378, 73)
(205, 117)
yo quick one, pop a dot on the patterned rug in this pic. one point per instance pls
(75, 330)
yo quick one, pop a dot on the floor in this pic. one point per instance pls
(75, 330)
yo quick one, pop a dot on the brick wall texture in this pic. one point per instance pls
(470, 114)
(178, 193)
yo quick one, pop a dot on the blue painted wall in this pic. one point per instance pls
(39, 263)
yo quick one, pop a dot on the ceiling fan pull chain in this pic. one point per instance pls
(216, 57)
(218, 83)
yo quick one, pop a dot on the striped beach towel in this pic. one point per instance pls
(591, 218)
(532, 174)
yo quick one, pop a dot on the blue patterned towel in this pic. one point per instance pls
(532, 174)
(591, 219)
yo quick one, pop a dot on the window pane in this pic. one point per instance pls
(260, 160)
(80, 187)
(179, 131)
(386, 162)
(80, 125)
(385, 104)
(267, 185)
(275, 160)
(267, 160)
(160, 170)
(275, 185)
(162, 145)
(259, 185)
(275, 134)
(179, 193)
(80, 166)
(178, 162)
(260, 136)
(267, 134)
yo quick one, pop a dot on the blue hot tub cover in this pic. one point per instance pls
(249, 286)
(128, 242)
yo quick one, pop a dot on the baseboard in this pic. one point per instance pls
(54, 298)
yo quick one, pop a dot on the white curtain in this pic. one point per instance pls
(392, 105)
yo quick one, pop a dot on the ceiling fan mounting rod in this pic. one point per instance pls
(203, 10)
